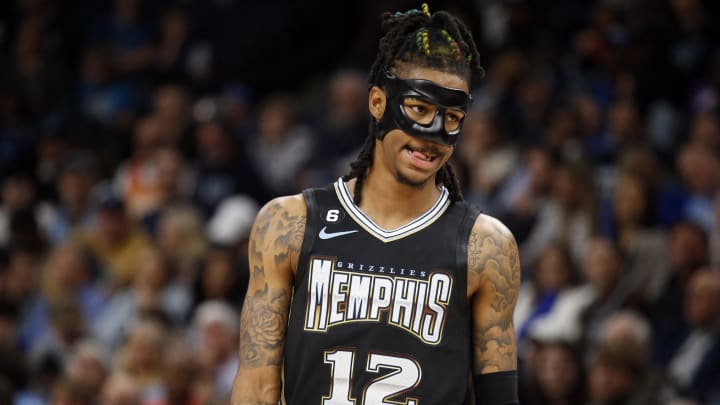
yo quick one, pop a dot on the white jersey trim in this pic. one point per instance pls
(389, 235)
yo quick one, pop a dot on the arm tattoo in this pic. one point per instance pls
(264, 317)
(493, 260)
(265, 311)
(291, 229)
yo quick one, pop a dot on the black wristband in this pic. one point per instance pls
(499, 388)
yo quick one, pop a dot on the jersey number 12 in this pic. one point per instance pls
(404, 375)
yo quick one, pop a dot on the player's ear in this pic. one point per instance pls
(377, 102)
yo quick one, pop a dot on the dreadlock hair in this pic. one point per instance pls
(438, 41)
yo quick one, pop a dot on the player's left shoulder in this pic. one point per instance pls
(489, 226)
(492, 251)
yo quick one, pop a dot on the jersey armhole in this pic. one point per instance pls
(309, 236)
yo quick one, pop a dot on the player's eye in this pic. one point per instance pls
(419, 110)
(453, 120)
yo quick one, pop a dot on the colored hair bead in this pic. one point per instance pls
(426, 9)
(453, 43)
(426, 42)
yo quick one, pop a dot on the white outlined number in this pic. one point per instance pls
(332, 216)
(405, 374)
(341, 365)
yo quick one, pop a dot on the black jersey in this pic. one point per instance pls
(379, 316)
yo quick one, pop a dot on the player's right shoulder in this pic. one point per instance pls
(280, 228)
(282, 207)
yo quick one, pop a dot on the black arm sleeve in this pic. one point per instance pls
(499, 388)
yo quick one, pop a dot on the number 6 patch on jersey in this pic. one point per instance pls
(333, 216)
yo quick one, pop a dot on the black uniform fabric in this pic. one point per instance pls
(379, 316)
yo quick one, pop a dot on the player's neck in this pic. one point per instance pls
(392, 204)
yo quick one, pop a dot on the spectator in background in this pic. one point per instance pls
(579, 312)
(13, 369)
(74, 210)
(699, 169)
(15, 122)
(624, 127)
(116, 241)
(174, 182)
(281, 145)
(559, 378)
(171, 107)
(8, 324)
(342, 124)
(67, 282)
(533, 95)
(665, 196)
(66, 328)
(614, 377)
(137, 178)
(528, 189)
(226, 277)
(121, 389)
(52, 148)
(88, 365)
(153, 290)
(490, 159)
(222, 168)
(553, 274)
(42, 378)
(183, 382)
(631, 225)
(694, 368)
(563, 134)
(20, 280)
(590, 125)
(498, 86)
(216, 324)
(105, 99)
(67, 392)
(567, 217)
(141, 358)
(221, 278)
(705, 131)
(128, 34)
(235, 108)
(17, 195)
(179, 56)
(629, 329)
(687, 44)
(37, 67)
(687, 251)
(181, 241)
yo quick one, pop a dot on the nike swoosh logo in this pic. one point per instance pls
(326, 235)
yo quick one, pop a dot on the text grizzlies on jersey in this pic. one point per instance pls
(336, 297)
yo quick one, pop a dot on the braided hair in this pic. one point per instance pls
(438, 41)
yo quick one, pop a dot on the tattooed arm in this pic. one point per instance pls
(275, 242)
(493, 281)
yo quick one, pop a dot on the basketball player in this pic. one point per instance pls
(384, 287)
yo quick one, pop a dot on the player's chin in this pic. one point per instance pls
(414, 178)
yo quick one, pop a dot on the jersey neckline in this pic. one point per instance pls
(389, 235)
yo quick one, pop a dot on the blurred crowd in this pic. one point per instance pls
(133, 161)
